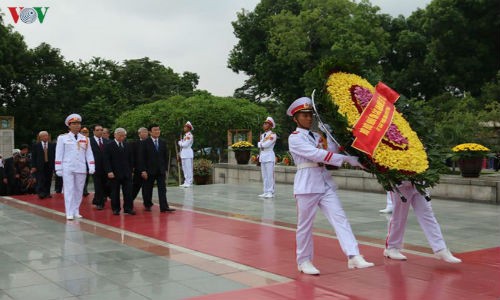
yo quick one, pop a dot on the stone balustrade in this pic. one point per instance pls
(483, 189)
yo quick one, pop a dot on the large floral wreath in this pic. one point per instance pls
(400, 155)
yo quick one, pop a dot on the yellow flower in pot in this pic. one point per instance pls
(470, 158)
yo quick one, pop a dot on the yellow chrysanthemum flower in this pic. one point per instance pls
(412, 159)
(469, 147)
(241, 145)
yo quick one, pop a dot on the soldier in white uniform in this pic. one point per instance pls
(187, 154)
(73, 155)
(426, 219)
(267, 158)
(313, 187)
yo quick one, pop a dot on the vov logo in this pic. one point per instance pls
(28, 15)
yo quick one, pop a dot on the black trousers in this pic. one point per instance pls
(44, 180)
(58, 184)
(147, 190)
(126, 185)
(137, 183)
(100, 187)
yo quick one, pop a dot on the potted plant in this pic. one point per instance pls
(287, 160)
(242, 151)
(202, 169)
(470, 158)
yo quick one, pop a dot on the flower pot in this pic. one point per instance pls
(470, 167)
(242, 156)
(200, 179)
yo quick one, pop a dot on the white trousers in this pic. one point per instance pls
(267, 170)
(331, 207)
(73, 192)
(187, 169)
(389, 201)
(425, 217)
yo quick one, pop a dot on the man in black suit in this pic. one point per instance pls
(137, 180)
(101, 190)
(9, 179)
(42, 159)
(153, 165)
(118, 164)
(3, 189)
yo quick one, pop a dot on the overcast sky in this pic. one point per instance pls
(186, 35)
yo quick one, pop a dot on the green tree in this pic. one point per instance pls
(46, 93)
(287, 49)
(450, 46)
(14, 60)
(211, 117)
(404, 65)
(148, 80)
(464, 42)
(101, 90)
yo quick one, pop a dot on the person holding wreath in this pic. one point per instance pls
(313, 187)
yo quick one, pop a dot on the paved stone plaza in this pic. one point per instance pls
(194, 252)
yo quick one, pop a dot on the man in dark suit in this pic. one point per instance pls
(42, 159)
(101, 190)
(9, 179)
(137, 180)
(153, 165)
(118, 164)
(3, 189)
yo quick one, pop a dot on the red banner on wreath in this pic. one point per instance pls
(375, 119)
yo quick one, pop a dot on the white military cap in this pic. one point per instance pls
(303, 104)
(188, 124)
(270, 121)
(16, 151)
(72, 118)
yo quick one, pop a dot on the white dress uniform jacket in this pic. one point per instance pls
(266, 145)
(186, 143)
(309, 157)
(73, 155)
(72, 158)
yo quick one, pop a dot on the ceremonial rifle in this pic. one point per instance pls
(177, 156)
(322, 125)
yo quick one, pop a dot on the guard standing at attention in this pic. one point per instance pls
(267, 157)
(187, 154)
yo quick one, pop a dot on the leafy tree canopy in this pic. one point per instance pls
(289, 48)
(211, 117)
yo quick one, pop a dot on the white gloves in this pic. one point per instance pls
(59, 173)
(353, 161)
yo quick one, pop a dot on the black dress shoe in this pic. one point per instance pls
(147, 208)
(167, 210)
(116, 212)
(130, 212)
(48, 196)
(100, 207)
(41, 196)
